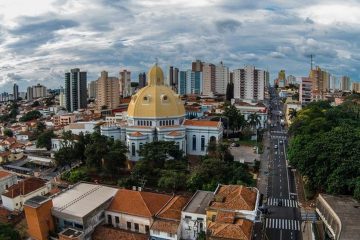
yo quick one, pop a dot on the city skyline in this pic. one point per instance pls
(38, 45)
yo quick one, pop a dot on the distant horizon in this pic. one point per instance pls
(38, 43)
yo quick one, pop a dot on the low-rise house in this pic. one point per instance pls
(193, 215)
(23, 136)
(135, 210)
(166, 223)
(82, 207)
(15, 196)
(4, 156)
(239, 199)
(7, 179)
(248, 108)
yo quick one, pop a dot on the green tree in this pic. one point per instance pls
(116, 158)
(229, 91)
(235, 119)
(7, 232)
(292, 113)
(44, 140)
(30, 116)
(254, 120)
(96, 150)
(8, 132)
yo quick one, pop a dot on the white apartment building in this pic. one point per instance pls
(249, 83)
(222, 78)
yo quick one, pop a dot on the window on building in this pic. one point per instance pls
(136, 226)
(79, 226)
(140, 146)
(202, 143)
(117, 219)
(109, 219)
(147, 228)
(128, 225)
(201, 225)
(194, 143)
(133, 150)
(170, 235)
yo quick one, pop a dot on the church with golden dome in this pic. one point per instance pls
(157, 113)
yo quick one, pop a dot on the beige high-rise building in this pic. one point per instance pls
(92, 89)
(249, 83)
(125, 83)
(345, 83)
(356, 87)
(208, 70)
(108, 91)
(222, 78)
(320, 82)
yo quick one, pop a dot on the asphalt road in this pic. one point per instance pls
(283, 219)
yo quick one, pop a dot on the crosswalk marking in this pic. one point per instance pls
(286, 224)
(278, 137)
(285, 202)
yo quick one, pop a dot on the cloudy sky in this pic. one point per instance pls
(41, 39)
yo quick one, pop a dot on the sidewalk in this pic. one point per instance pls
(306, 231)
(262, 181)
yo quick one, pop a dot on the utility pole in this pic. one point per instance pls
(311, 61)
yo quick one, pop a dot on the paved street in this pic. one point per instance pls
(284, 219)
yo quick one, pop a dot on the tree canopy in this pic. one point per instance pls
(325, 147)
(30, 116)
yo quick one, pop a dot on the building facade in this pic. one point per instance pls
(142, 80)
(16, 91)
(108, 92)
(345, 83)
(249, 83)
(156, 113)
(222, 78)
(92, 89)
(209, 77)
(125, 83)
(37, 91)
(305, 90)
(75, 90)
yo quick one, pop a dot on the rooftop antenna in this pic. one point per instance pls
(311, 61)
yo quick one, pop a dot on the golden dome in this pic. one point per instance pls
(156, 100)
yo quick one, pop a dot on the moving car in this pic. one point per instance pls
(281, 142)
(275, 146)
(279, 203)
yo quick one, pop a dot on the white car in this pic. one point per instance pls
(275, 146)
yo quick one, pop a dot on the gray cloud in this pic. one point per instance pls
(102, 34)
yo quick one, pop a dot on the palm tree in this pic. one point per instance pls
(292, 113)
(254, 120)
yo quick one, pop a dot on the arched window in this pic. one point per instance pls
(194, 143)
(133, 149)
(202, 143)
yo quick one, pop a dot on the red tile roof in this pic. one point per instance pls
(201, 123)
(107, 233)
(175, 134)
(166, 226)
(172, 209)
(136, 134)
(4, 174)
(145, 204)
(240, 230)
(24, 187)
(234, 197)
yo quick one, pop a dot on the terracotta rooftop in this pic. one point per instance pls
(201, 123)
(106, 233)
(145, 204)
(175, 133)
(24, 187)
(225, 217)
(234, 197)
(167, 226)
(4, 174)
(136, 134)
(172, 209)
(240, 230)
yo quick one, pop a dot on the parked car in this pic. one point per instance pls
(275, 146)
(281, 142)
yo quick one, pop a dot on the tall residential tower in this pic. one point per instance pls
(75, 90)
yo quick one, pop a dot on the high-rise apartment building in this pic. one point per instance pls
(345, 83)
(193, 82)
(62, 100)
(222, 78)
(249, 83)
(142, 80)
(92, 89)
(208, 71)
(37, 91)
(75, 90)
(334, 84)
(305, 90)
(173, 78)
(108, 91)
(320, 82)
(125, 83)
(290, 80)
(197, 66)
(356, 87)
(16, 91)
(182, 83)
